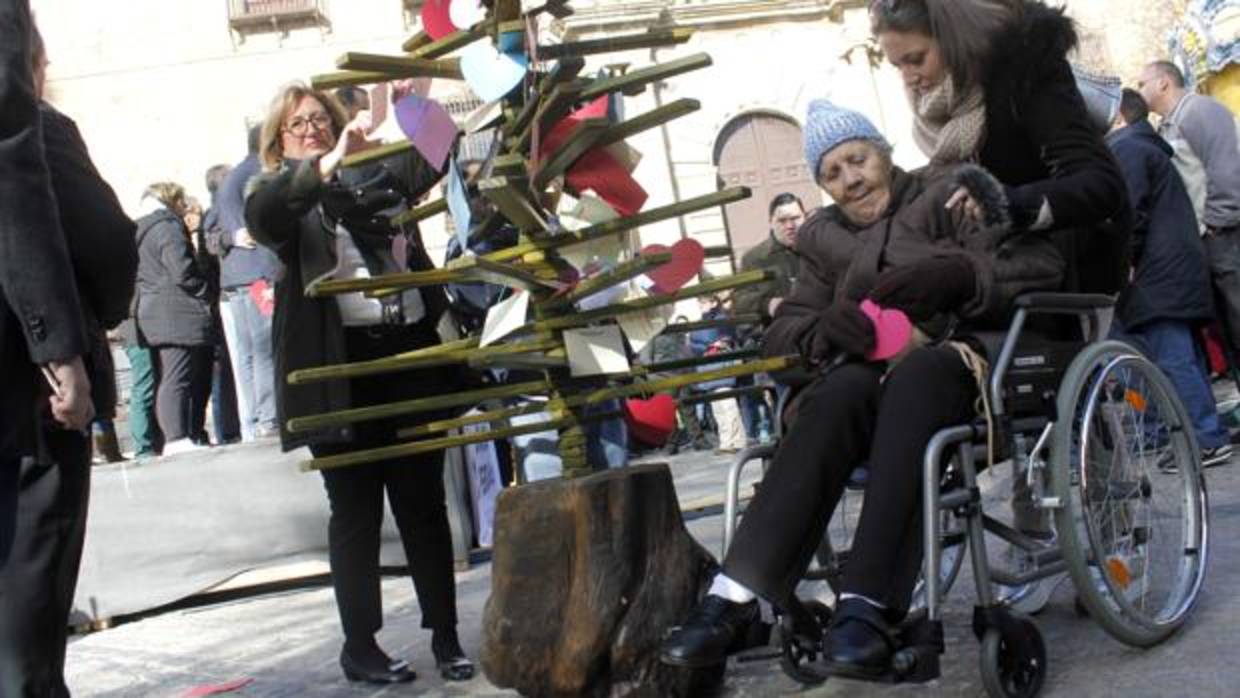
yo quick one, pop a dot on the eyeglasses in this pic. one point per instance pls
(301, 126)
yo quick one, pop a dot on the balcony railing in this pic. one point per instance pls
(242, 13)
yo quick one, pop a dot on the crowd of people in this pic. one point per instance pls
(1029, 186)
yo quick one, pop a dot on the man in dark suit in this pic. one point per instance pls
(52, 477)
(40, 316)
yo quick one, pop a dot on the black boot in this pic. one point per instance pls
(449, 657)
(709, 633)
(362, 660)
(859, 643)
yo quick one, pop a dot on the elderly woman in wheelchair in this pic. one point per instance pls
(891, 242)
(890, 239)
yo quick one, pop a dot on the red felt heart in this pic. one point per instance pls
(651, 421)
(436, 18)
(687, 258)
(892, 330)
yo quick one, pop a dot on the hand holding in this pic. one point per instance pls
(70, 401)
(842, 327)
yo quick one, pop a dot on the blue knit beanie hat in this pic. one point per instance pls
(827, 126)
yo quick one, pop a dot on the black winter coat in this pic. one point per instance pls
(99, 234)
(1170, 280)
(101, 245)
(1040, 143)
(294, 213)
(841, 261)
(171, 304)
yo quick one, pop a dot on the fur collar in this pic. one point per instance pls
(1034, 44)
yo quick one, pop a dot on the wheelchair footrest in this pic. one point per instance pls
(921, 642)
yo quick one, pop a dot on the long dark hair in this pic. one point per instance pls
(964, 29)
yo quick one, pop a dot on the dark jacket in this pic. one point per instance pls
(841, 261)
(1171, 280)
(99, 234)
(171, 303)
(1040, 143)
(294, 213)
(238, 266)
(101, 245)
(782, 261)
(40, 316)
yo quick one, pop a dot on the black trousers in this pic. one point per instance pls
(38, 581)
(849, 416)
(415, 492)
(184, 386)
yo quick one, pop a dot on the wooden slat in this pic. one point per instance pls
(655, 117)
(400, 66)
(620, 225)
(647, 39)
(644, 76)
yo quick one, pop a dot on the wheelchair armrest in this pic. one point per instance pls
(1071, 303)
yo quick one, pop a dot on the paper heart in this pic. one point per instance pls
(687, 259)
(465, 13)
(428, 126)
(651, 421)
(490, 73)
(892, 330)
(437, 19)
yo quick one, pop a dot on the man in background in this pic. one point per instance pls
(1169, 294)
(247, 285)
(1203, 134)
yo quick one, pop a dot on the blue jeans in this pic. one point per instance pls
(248, 334)
(1171, 346)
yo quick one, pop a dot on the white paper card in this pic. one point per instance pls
(595, 350)
(505, 317)
(641, 327)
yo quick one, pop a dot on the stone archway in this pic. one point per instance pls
(760, 150)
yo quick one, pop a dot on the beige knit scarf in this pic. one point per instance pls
(949, 127)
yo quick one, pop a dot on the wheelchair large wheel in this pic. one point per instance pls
(1126, 470)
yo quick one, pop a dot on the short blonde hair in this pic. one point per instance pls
(170, 194)
(270, 147)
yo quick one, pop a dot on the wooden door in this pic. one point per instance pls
(761, 151)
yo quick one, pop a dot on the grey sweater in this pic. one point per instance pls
(1210, 130)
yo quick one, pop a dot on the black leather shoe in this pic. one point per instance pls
(859, 643)
(709, 633)
(375, 669)
(450, 659)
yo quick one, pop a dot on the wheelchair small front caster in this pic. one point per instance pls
(1013, 666)
(801, 642)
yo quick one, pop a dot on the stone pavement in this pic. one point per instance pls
(288, 643)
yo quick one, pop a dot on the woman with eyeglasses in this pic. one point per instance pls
(325, 221)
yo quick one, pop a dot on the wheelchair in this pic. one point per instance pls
(1108, 453)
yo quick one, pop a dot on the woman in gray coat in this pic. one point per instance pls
(172, 314)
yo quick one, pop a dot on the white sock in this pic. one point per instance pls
(728, 588)
(866, 599)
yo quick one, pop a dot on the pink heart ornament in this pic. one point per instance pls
(892, 330)
(687, 258)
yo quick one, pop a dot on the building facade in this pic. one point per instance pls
(165, 90)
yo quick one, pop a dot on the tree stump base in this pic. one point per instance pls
(587, 575)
